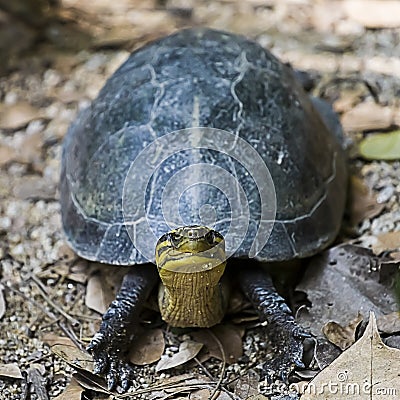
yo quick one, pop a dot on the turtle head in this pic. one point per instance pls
(191, 261)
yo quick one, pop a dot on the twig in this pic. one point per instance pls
(203, 367)
(163, 387)
(36, 378)
(35, 303)
(71, 334)
(221, 349)
(43, 292)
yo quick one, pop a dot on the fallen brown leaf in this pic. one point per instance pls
(347, 100)
(342, 282)
(187, 351)
(386, 241)
(72, 392)
(374, 13)
(34, 187)
(363, 202)
(342, 336)
(367, 116)
(7, 154)
(186, 383)
(18, 115)
(229, 337)
(98, 294)
(329, 63)
(10, 371)
(91, 382)
(365, 371)
(66, 253)
(52, 339)
(148, 347)
(79, 271)
(30, 148)
(73, 356)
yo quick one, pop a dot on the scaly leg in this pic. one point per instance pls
(282, 328)
(120, 323)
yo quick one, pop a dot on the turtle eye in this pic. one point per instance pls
(175, 238)
(210, 237)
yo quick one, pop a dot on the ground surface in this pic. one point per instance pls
(352, 59)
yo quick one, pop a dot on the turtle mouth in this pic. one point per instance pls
(190, 249)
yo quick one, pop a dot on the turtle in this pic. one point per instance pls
(201, 163)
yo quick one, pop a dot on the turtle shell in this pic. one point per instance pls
(133, 168)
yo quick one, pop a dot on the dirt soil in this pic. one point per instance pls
(352, 56)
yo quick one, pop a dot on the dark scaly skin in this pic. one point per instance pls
(119, 326)
(285, 334)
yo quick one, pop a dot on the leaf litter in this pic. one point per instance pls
(363, 201)
(342, 336)
(352, 271)
(187, 351)
(381, 146)
(367, 370)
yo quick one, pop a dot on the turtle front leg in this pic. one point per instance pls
(120, 323)
(285, 334)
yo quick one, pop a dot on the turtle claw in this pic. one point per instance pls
(108, 363)
(288, 339)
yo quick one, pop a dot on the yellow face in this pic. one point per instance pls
(190, 249)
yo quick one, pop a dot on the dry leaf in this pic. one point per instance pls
(72, 392)
(79, 271)
(91, 382)
(367, 116)
(257, 397)
(73, 356)
(83, 363)
(374, 13)
(230, 338)
(342, 282)
(367, 370)
(389, 323)
(381, 146)
(66, 253)
(34, 187)
(363, 202)
(98, 294)
(181, 383)
(10, 371)
(7, 154)
(51, 339)
(386, 241)
(2, 302)
(18, 115)
(148, 347)
(30, 149)
(342, 336)
(187, 351)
